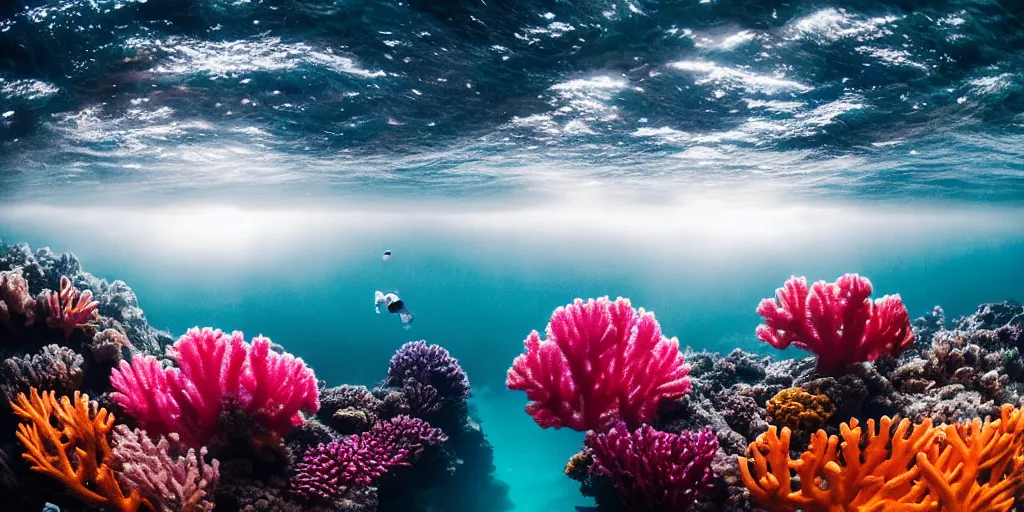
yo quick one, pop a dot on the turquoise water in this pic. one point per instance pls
(478, 282)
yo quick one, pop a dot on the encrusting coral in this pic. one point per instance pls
(173, 478)
(54, 368)
(17, 307)
(66, 440)
(799, 410)
(972, 466)
(601, 362)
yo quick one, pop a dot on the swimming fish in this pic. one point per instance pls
(394, 304)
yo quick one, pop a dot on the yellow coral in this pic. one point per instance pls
(974, 466)
(799, 410)
(67, 440)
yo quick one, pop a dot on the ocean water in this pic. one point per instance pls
(244, 164)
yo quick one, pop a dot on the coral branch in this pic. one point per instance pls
(835, 321)
(602, 362)
(70, 308)
(215, 369)
(174, 479)
(67, 440)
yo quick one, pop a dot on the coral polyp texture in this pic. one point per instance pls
(799, 410)
(418, 364)
(654, 471)
(836, 321)
(215, 371)
(601, 362)
(328, 470)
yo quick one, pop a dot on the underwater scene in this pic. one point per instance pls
(497, 255)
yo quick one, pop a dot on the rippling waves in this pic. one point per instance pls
(873, 99)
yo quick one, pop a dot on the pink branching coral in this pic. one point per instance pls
(274, 389)
(836, 321)
(273, 405)
(165, 473)
(69, 308)
(17, 308)
(655, 471)
(327, 470)
(602, 362)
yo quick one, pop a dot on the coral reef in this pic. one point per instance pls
(69, 308)
(835, 321)
(602, 362)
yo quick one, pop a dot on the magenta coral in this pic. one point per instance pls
(602, 362)
(214, 369)
(835, 321)
(655, 471)
(173, 478)
(361, 459)
(277, 387)
(70, 308)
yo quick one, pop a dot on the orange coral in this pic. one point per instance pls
(972, 466)
(979, 468)
(67, 440)
(799, 410)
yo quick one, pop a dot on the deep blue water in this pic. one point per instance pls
(243, 164)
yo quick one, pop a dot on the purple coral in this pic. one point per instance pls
(326, 470)
(420, 364)
(655, 471)
(173, 479)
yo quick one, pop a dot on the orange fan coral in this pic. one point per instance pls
(974, 466)
(75, 451)
(799, 410)
(979, 468)
(854, 474)
(70, 308)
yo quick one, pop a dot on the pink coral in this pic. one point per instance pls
(15, 300)
(273, 405)
(836, 321)
(70, 308)
(602, 362)
(173, 478)
(214, 369)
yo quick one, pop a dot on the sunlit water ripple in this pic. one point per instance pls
(876, 100)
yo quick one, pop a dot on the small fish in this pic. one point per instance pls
(387, 255)
(394, 304)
